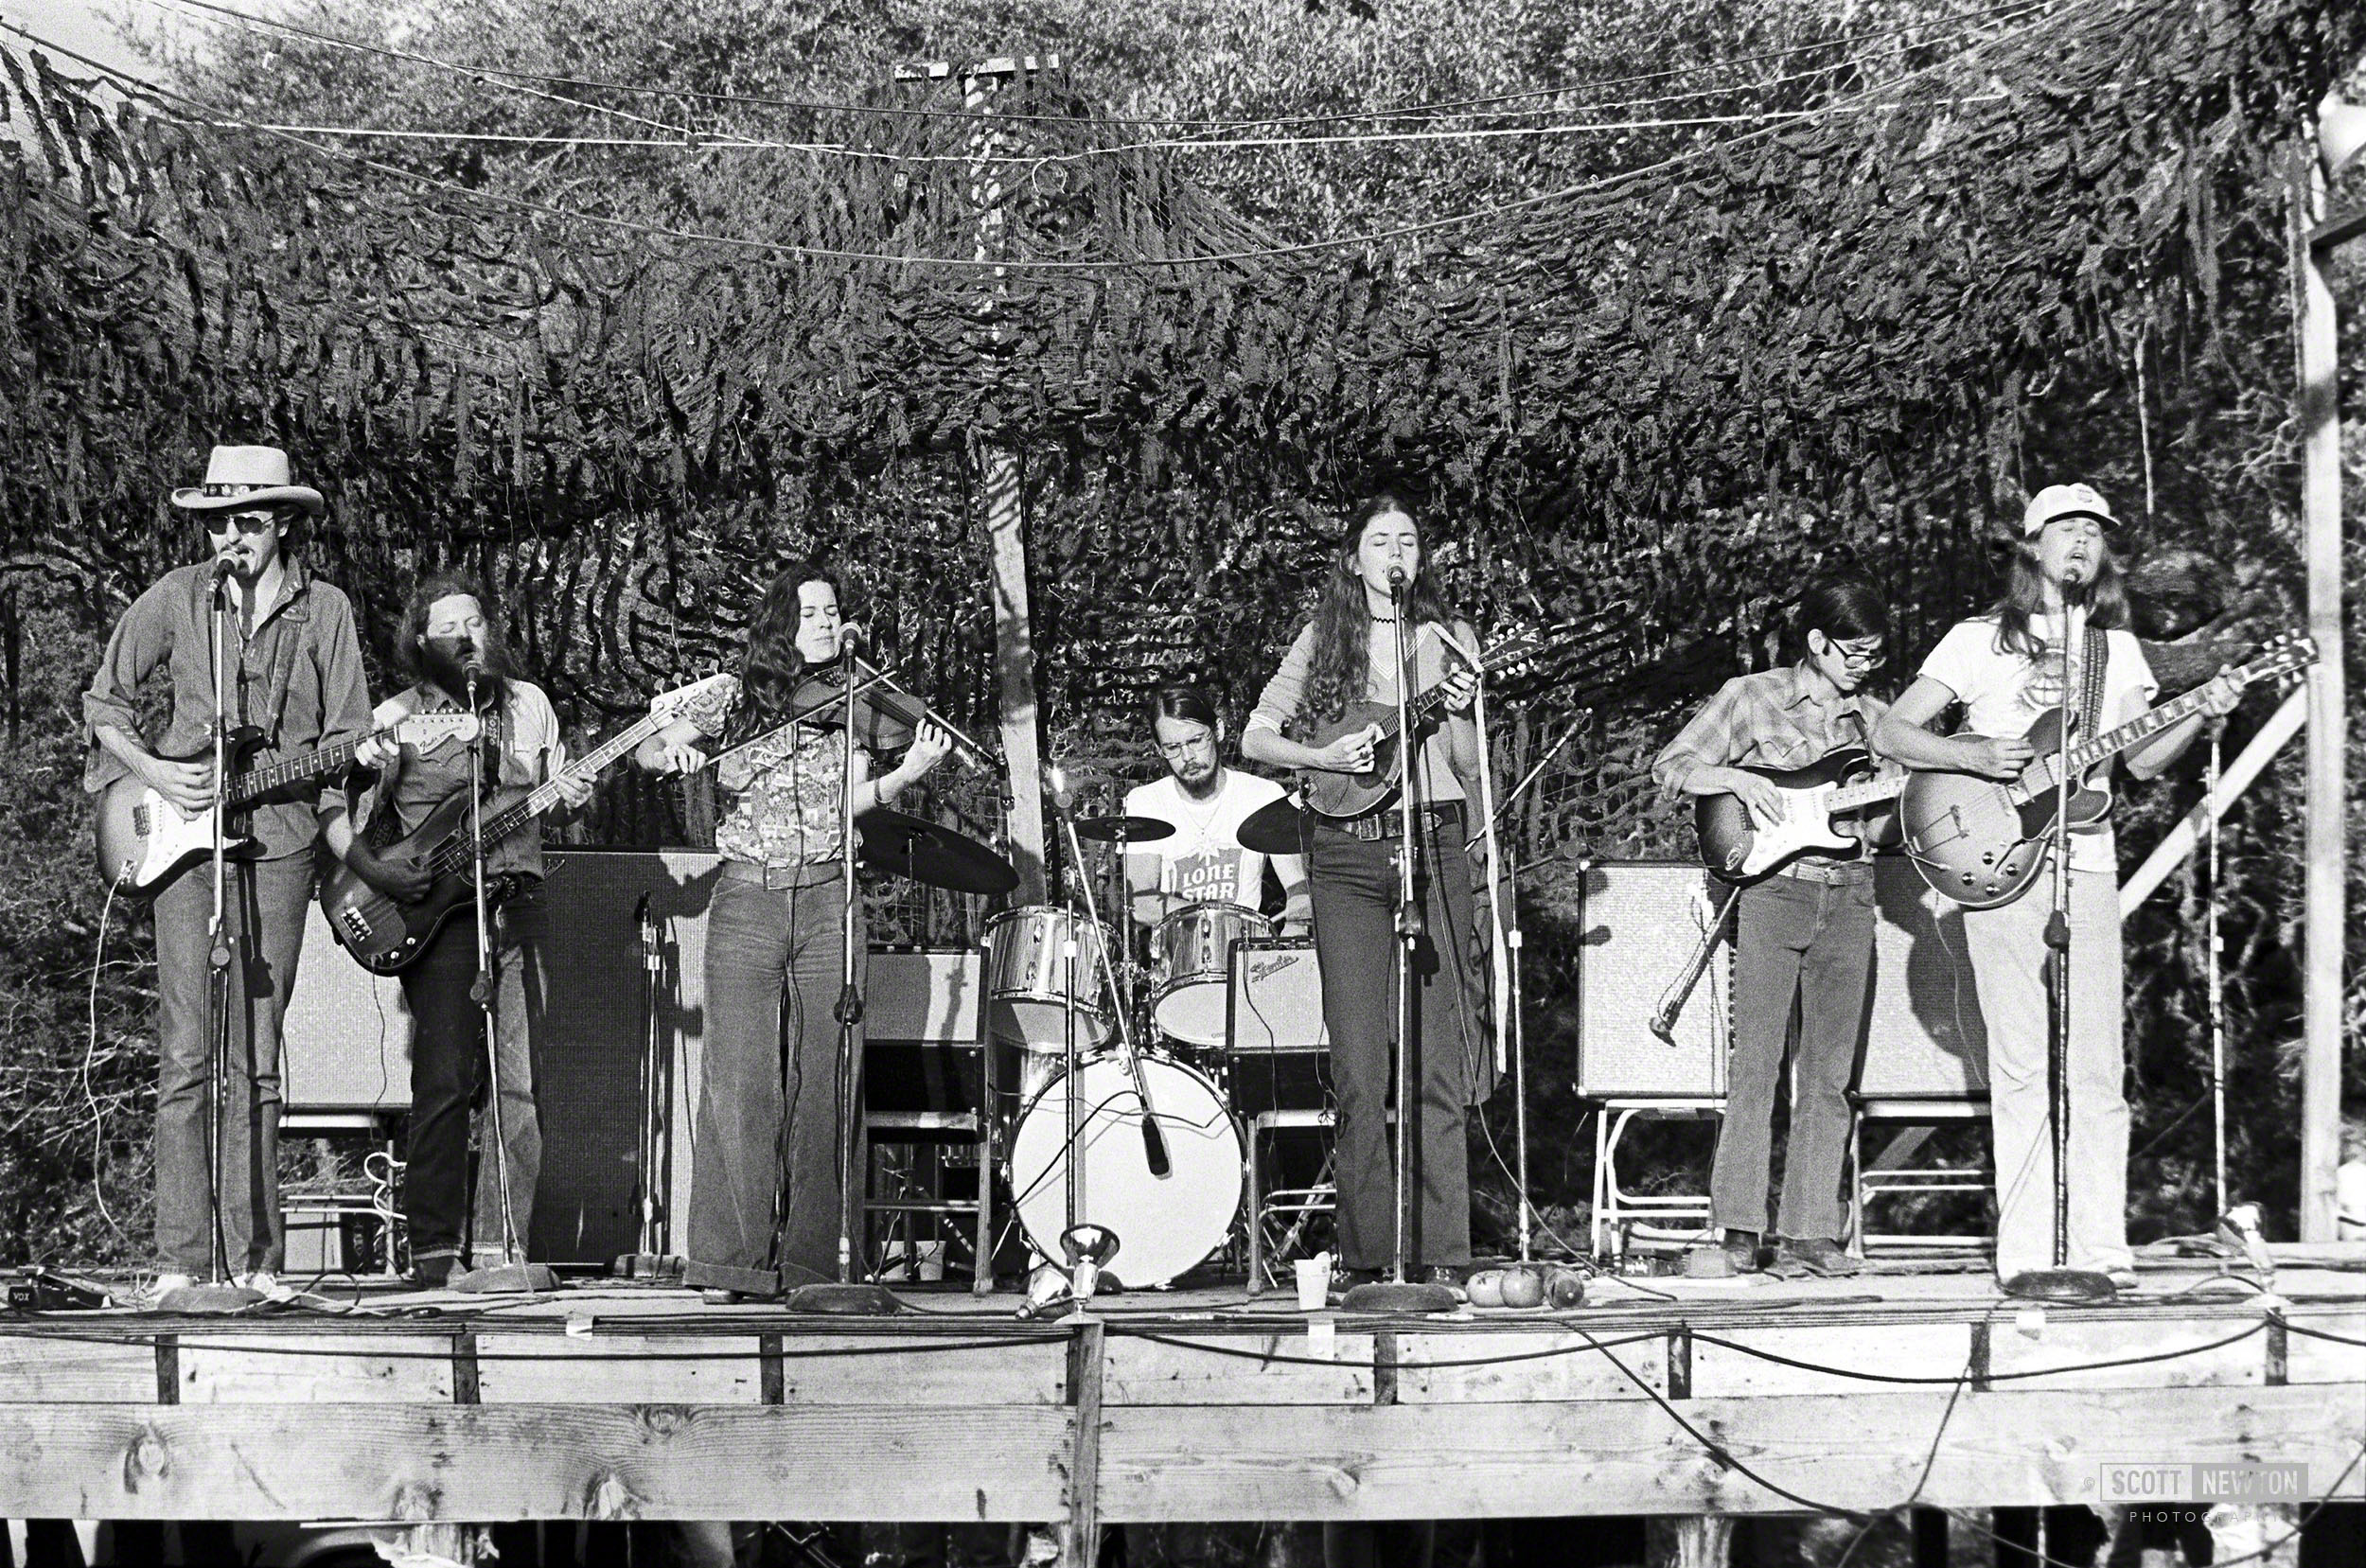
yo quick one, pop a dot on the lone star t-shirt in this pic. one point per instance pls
(1204, 860)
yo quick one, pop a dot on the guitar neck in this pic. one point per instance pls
(1886, 786)
(540, 799)
(259, 781)
(2134, 732)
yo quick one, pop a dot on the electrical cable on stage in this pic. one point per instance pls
(1121, 1331)
(90, 1049)
(2259, 1328)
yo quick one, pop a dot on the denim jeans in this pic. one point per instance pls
(768, 1122)
(448, 1090)
(2008, 958)
(263, 918)
(1353, 882)
(1807, 945)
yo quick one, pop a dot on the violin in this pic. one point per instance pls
(884, 721)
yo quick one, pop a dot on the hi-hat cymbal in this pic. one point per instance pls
(1123, 830)
(1274, 828)
(931, 853)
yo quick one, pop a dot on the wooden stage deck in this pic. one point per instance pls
(1659, 1396)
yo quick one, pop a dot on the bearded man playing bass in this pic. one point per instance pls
(1805, 936)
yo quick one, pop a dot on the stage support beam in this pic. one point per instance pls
(2326, 855)
(2256, 754)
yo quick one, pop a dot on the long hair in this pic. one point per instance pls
(771, 668)
(1185, 701)
(2024, 597)
(1843, 609)
(1342, 620)
(411, 660)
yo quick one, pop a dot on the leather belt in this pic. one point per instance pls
(1444, 817)
(1835, 872)
(779, 878)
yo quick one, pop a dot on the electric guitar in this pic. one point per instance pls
(1983, 842)
(386, 936)
(1735, 847)
(1345, 795)
(143, 839)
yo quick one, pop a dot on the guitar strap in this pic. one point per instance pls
(2097, 660)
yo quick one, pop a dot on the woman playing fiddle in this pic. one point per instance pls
(765, 1195)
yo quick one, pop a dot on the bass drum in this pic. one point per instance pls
(1164, 1224)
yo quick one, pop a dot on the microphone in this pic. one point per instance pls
(472, 669)
(1398, 582)
(1062, 797)
(854, 635)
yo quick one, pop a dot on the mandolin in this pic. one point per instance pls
(1345, 795)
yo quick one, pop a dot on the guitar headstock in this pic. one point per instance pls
(429, 731)
(1559, 654)
(705, 703)
(2282, 654)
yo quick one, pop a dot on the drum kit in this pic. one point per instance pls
(1124, 1127)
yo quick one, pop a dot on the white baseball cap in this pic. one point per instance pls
(2064, 501)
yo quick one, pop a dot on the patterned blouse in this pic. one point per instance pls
(786, 809)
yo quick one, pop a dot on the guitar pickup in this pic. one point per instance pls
(356, 923)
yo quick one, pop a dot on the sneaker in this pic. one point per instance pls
(1743, 1251)
(2122, 1277)
(1801, 1256)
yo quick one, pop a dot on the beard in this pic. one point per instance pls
(446, 662)
(1199, 785)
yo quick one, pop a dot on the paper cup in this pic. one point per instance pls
(1313, 1282)
(931, 1260)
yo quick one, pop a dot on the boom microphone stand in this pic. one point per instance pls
(513, 1274)
(2062, 1282)
(1397, 1294)
(846, 1297)
(219, 1293)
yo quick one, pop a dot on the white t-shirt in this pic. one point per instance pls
(2004, 692)
(1204, 860)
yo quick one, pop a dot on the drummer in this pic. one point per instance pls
(1206, 802)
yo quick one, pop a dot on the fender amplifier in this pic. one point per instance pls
(1639, 922)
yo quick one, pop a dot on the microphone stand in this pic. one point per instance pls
(846, 1297)
(513, 1274)
(2062, 1282)
(1397, 1294)
(219, 1293)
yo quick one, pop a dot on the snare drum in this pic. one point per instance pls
(1027, 978)
(1191, 954)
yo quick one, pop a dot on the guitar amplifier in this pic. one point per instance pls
(1924, 1035)
(921, 1008)
(1639, 922)
(1275, 1001)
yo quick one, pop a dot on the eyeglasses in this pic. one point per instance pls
(1203, 742)
(245, 522)
(1863, 656)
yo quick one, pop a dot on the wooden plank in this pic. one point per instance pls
(2308, 1359)
(38, 1369)
(958, 1374)
(1913, 1349)
(1540, 1365)
(1855, 1451)
(325, 1369)
(428, 1463)
(1236, 1369)
(619, 1369)
(1082, 1546)
(2067, 1344)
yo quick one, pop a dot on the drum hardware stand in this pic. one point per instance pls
(513, 1273)
(649, 1262)
(2062, 1282)
(1396, 1294)
(846, 1297)
(219, 1293)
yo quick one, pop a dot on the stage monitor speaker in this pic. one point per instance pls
(1275, 1002)
(1924, 1036)
(1640, 921)
(345, 1043)
(926, 996)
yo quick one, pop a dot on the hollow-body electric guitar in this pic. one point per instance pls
(1983, 842)
(144, 839)
(1343, 795)
(1737, 849)
(386, 936)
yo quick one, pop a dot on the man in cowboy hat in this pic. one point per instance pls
(293, 671)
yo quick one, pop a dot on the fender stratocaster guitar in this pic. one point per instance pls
(1982, 843)
(386, 935)
(1739, 849)
(144, 839)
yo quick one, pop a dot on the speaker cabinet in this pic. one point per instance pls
(345, 1043)
(1640, 921)
(1924, 1036)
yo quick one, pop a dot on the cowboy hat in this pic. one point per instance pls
(238, 476)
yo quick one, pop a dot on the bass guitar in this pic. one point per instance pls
(143, 839)
(1344, 794)
(1983, 842)
(1735, 847)
(385, 935)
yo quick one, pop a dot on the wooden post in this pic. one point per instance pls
(1704, 1541)
(2322, 895)
(1087, 1357)
(1006, 529)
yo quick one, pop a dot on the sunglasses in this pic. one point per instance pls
(245, 522)
(1863, 656)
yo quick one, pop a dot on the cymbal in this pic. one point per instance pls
(1274, 828)
(1123, 830)
(932, 855)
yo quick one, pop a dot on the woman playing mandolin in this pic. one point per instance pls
(1328, 711)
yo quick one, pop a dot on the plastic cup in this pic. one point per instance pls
(1313, 1276)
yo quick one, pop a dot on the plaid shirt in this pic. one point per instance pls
(1773, 719)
